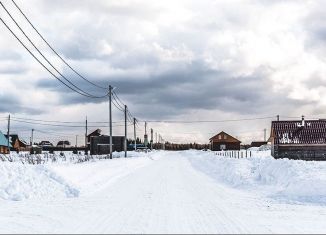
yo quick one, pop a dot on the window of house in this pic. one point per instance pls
(225, 137)
(219, 137)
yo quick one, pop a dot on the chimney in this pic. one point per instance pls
(278, 118)
(302, 122)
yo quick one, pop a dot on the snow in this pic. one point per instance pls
(20, 182)
(164, 192)
(287, 180)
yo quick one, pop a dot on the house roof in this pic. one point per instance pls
(297, 132)
(4, 140)
(14, 138)
(97, 132)
(230, 139)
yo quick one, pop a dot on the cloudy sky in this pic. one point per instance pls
(169, 60)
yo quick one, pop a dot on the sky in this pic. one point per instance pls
(169, 60)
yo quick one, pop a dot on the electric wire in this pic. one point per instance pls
(31, 53)
(44, 57)
(54, 51)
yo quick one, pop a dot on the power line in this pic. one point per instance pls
(208, 121)
(31, 53)
(64, 122)
(121, 105)
(54, 51)
(58, 125)
(44, 57)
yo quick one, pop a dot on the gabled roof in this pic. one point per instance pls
(4, 140)
(97, 132)
(229, 138)
(293, 132)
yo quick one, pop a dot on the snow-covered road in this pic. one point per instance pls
(165, 194)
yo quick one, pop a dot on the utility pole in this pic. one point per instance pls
(110, 99)
(135, 134)
(146, 136)
(265, 134)
(86, 141)
(126, 142)
(159, 140)
(76, 144)
(156, 137)
(151, 139)
(8, 134)
(32, 138)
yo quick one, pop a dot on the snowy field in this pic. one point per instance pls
(164, 192)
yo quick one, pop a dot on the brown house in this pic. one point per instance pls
(304, 140)
(224, 141)
(17, 144)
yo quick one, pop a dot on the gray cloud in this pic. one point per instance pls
(11, 104)
(168, 60)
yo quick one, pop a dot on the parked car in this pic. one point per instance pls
(63, 144)
(45, 143)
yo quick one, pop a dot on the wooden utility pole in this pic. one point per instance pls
(146, 136)
(126, 142)
(32, 136)
(135, 134)
(8, 134)
(265, 134)
(151, 139)
(86, 141)
(110, 99)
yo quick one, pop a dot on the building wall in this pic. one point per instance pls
(307, 152)
(100, 144)
(228, 146)
(3, 149)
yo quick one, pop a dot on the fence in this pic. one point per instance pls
(244, 154)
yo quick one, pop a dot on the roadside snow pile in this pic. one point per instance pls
(94, 176)
(282, 179)
(265, 147)
(19, 182)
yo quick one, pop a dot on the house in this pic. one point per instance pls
(305, 139)
(224, 141)
(4, 144)
(17, 144)
(97, 132)
(101, 144)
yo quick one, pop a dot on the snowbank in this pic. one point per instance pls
(92, 177)
(19, 182)
(282, 179)
(65, 177)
